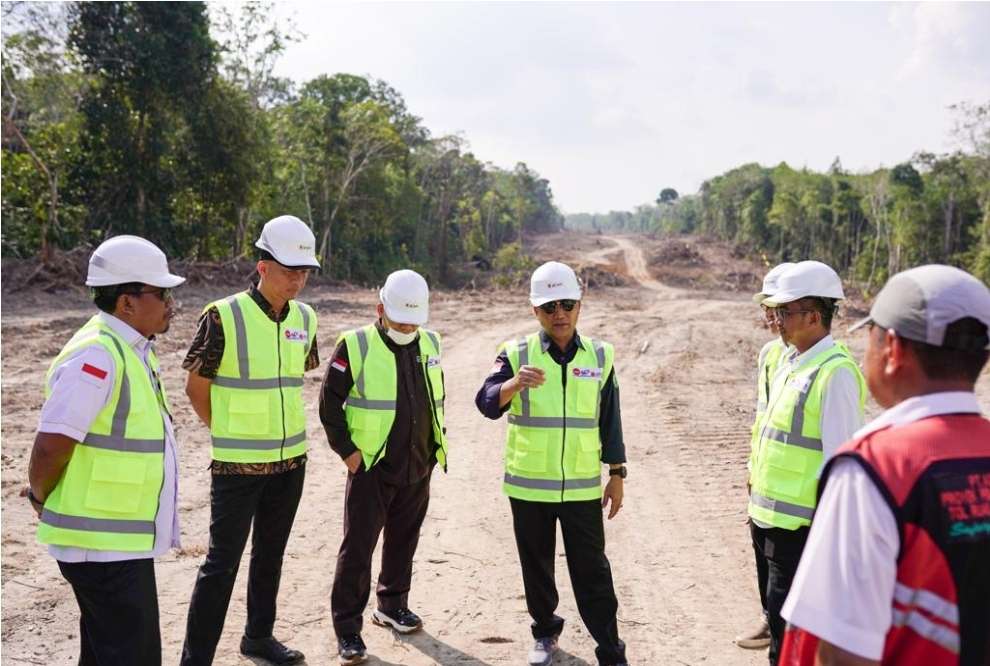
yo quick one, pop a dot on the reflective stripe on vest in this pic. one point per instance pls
(563, 485)
(54, 519)
(108, 495)
(551, 484)
(278, 430)
(370, 419)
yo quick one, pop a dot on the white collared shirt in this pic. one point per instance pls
(844, 587)
(81, 387)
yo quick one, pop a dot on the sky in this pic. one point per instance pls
(614, 101)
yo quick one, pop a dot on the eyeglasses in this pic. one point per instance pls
(781, 313)
(162, 294)
(551, 307)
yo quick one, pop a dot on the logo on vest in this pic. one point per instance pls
(587, 373)
(293, 335)
(965, 500)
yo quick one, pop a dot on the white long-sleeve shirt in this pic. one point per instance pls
(81, 387)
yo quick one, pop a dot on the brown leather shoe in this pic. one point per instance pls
(756, 639)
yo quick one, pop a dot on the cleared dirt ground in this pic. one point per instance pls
(679, 549)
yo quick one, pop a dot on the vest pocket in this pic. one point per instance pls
(588, 391)
(787, 470)
(294, 356)
(588, 460)
(367, 430)
(116, 484)
(249, 413)
(530, 452)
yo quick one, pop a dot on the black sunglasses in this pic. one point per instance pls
(551, 307)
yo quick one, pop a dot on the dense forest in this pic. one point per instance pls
(931, 208)
(165, 119)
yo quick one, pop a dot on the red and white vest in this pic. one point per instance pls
(935, 475)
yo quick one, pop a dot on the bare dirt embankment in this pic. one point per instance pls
(679, 549)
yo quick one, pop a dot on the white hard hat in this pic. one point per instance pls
(124, 259)
(406, 298)
(806, 278)
(553, 281)
(770, 281)
(289, 241)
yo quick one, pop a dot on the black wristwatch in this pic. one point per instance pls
(618, 471)
(33, 499)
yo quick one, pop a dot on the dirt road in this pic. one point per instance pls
(679, 549)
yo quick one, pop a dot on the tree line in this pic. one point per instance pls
(931, 208)
(166, 120)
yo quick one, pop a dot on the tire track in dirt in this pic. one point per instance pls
(685, 427)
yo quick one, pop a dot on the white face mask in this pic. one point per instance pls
(400, 338)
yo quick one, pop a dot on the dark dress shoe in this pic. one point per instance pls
(271, 650)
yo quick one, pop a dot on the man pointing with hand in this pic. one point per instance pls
(563, 402)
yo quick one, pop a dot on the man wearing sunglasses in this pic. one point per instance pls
(246, 367)
(563, 402)
(815, 404)
(103, 467)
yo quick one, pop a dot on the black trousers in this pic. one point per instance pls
(535, 526)
(118, 604)
(370, 506)
(237, 500)
(778, 552)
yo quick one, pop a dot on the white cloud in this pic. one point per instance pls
(951, 37)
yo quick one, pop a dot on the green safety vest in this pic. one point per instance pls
(775, 350)
(769, 357)
(788, 457)
(370, 406)
(256, 398)
(553, 446)
(107, 497)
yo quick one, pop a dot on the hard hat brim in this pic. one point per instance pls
(760, 297)
(781, 297)
(537, 302)
(403, 316)
(287, 259)
(164, 280)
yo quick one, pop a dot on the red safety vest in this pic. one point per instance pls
(935, 475)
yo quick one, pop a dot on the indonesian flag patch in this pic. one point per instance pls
(93, 370)
(339, 364)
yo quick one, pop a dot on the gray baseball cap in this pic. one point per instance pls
(918, 304)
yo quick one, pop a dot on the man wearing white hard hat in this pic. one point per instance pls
(766, 366)
(815, 403)
(246, 366)
(563, 401)
(382, 406)
(103, 470)
(897, 565)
